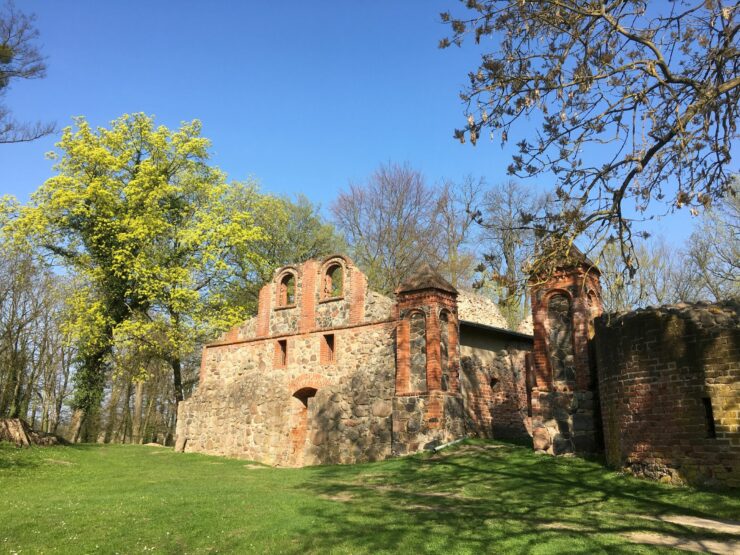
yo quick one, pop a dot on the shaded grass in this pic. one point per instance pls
(477, 497)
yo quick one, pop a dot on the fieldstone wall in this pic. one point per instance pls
(493, 381)
(472, 307)
(669, 381)
(426, 421)
(245, 407)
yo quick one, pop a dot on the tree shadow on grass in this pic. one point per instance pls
(488, 497)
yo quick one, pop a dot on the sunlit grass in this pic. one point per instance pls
(480, 497)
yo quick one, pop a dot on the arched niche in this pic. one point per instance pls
(417, 351)
(286, 289)
(559, 330)
(445, 342)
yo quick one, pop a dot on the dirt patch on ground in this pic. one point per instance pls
(58, 461)
(719, 526)
(568, 526)
(254, 466)
(730, 547)
(342, 496)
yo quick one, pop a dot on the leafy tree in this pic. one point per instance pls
(19, 59)
(634, 100)
(35, 354)
(390, 224)
(138, 214)
(294, 232)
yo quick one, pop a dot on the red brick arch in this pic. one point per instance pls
(310, 379)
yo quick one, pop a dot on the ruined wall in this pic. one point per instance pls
(493, 381)
(309, 380)
(245, 407)
(669, 381)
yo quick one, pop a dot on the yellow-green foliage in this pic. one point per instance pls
(150, 230)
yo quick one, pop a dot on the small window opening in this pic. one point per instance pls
(333, 281)
(281, 353)
(328, 354)
(287, 290)
(494, 382)
(709, 415)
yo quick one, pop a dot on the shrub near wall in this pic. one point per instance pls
(669, 381)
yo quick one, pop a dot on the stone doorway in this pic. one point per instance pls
(302, 400)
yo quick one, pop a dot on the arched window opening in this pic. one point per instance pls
(444, 349)
(418, 352)
(287, 290)
(560, 338)
(333, 281)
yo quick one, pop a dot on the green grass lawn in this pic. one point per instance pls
(478, 497)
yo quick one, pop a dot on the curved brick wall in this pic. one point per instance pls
(669, 382)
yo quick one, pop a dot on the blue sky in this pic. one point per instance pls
(303, 96)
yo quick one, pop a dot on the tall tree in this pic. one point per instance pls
(665, 277)
(140, 216)
(456, 213)
(637, 100)
(714, 249)
(509, 245)
(19, 59)
(390, 223)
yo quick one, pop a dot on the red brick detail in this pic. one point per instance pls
(403, 356)
(576, 284)
(432, 301)
(308, 294)
(263, 311)
(434, 367)
(358, 287)
(311, 379)
(232, 335)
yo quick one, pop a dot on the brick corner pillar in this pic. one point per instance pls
(563, 391)
(263, 311)
(439, 412)
(358, 290)
(309, 279)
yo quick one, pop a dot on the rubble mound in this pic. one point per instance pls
(17, 430)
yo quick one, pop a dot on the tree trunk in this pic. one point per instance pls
(138, 402)
(75, 427)
(177, 379)
(110, 425)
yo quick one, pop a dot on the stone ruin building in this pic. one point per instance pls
(329, 371)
